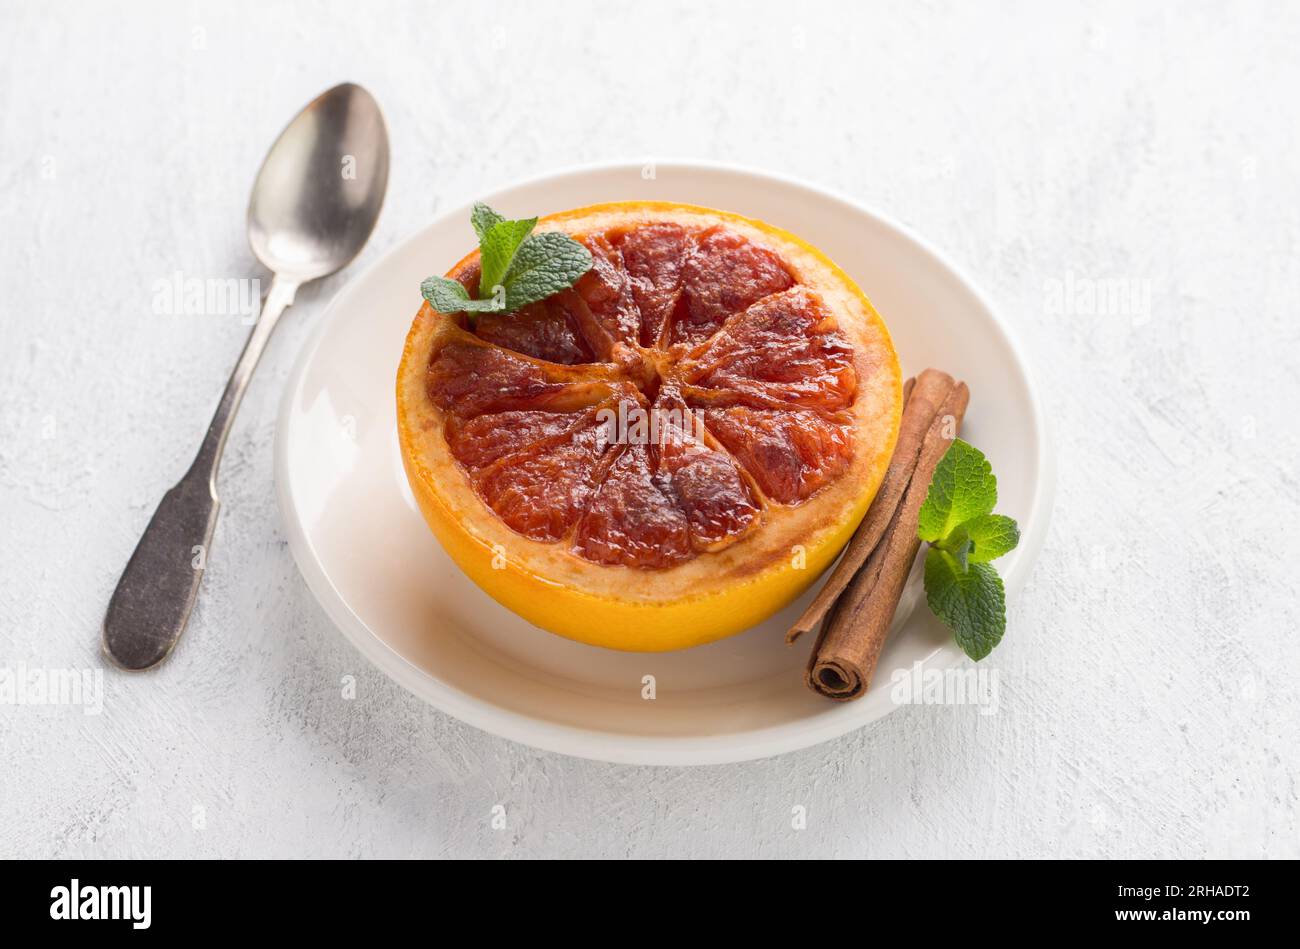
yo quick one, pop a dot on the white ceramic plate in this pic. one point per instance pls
(367, 556)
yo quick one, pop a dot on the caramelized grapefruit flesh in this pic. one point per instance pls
(791, 454)
(653, 255)
(682, 392)
(541, 490)
(725, 275)
(632, 520)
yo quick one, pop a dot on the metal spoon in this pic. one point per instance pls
(314, 204)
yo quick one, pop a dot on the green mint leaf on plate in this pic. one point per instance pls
(543, 265)
(963, 487)
(964, 534)
(971, 602)
(991, 536)
(450, 296)
(497, 251)
(484, 219)
(516, 267)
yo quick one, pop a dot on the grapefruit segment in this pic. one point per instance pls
(631, 521)
(469, 378)
(654, 255)
(543, 330)
(479, 441)
(785, 348)
(726, 273)
(541, 490)
(607, 293)
(700, 477)
(791, 453)
(772, 393)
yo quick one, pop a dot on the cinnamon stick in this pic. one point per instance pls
(854, 632)
(923, 395)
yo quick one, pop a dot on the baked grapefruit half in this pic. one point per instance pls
(669, 451)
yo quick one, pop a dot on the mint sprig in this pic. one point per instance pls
(516, 267)
(964, 534)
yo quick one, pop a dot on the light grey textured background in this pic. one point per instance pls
(1148, 699)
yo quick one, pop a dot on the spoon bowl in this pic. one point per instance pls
(321, 187)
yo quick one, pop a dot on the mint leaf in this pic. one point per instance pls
(543, 265)
(963, 487)
(991, 535)
(971, 602)
(497, 252)
(526, 267)
(964, 534)
(450, 296)
(484, 219)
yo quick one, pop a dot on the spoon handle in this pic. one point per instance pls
(154, 597)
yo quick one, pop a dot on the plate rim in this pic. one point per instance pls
(555, 737)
